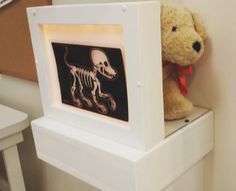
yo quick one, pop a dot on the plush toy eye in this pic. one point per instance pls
(174, 28)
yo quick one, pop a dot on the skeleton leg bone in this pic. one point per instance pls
(86, 100)
(101, 108)
(73, 89)
(112, 103)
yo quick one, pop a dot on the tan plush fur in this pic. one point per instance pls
(180, 29)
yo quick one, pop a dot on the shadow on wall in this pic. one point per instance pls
(2, 168)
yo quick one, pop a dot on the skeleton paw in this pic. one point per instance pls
(88, 103)
(102, 109)
(77, 103)
(113, 105)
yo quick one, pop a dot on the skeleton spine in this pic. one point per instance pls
(86, 77)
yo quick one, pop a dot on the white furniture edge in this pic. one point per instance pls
(18, 123)
(12, 122)
(111, 166)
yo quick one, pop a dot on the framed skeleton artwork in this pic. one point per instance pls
(99, 69)
(89, 77)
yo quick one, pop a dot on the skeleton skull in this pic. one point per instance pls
(102, 64)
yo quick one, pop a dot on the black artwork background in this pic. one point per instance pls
(79, 55)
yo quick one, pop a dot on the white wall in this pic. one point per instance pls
(214, 86)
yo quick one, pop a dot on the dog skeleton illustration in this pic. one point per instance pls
(88, 78)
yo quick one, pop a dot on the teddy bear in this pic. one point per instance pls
(183, 36)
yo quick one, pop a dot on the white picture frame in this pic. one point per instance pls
(4, 2)
(140, 43)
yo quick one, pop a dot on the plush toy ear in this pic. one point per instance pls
(199, 26)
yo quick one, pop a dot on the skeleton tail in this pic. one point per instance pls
(66, 53)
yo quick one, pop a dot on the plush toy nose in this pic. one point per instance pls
(197, 46)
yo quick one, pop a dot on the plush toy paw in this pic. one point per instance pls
(179, 110)
(176, 106)
(102, 109)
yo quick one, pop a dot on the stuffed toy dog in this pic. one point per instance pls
(183, 35)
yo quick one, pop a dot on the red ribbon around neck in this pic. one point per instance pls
(182, 72)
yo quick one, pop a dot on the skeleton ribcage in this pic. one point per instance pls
(86, 77)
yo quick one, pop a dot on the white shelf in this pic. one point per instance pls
(175, 125)
(112, 166)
